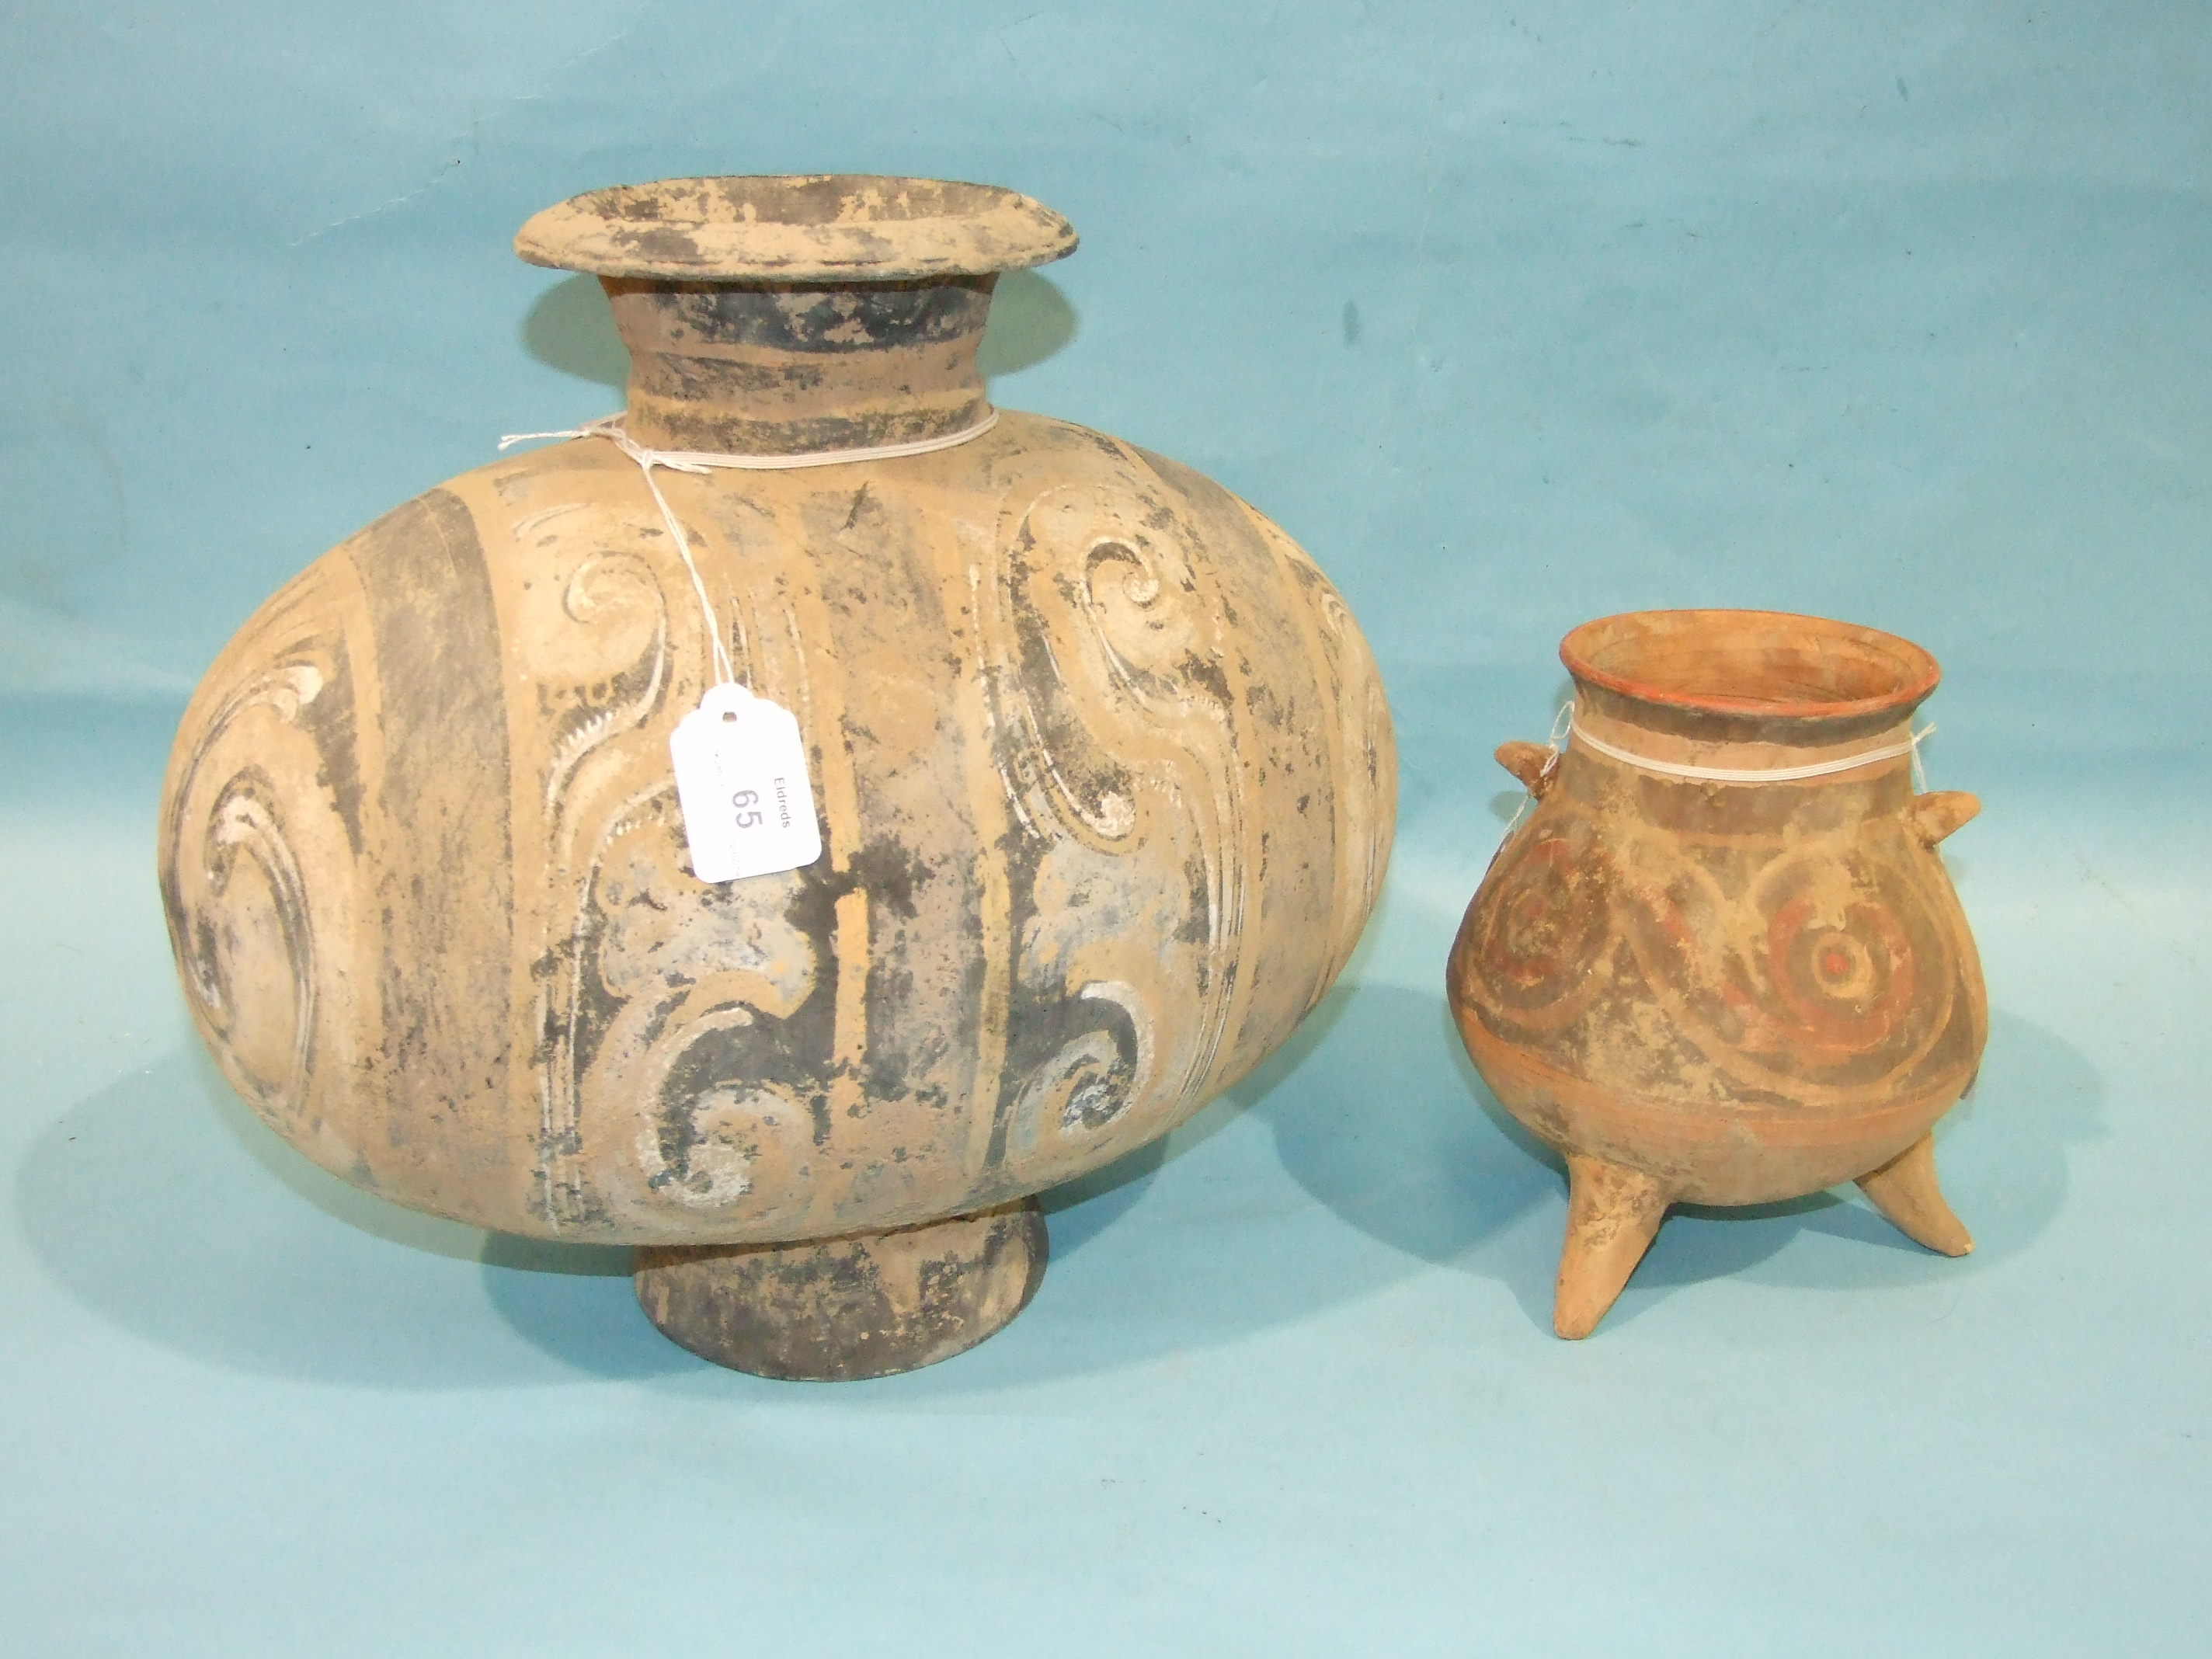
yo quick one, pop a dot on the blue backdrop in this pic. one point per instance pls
(1513, 316)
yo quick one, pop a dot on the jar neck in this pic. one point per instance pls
(1678, 731)
(749, 369)
(1659, 737)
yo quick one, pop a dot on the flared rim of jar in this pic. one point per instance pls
(1767, 663)
(796, 228)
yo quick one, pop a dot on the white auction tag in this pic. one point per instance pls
(741, 776)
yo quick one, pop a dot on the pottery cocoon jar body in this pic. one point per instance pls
(1106, 785)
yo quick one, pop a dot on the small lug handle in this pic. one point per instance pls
(1531, 762)
(1937, 815)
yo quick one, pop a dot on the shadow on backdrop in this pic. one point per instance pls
(2001, 1154)
(571, 328)
(1448, 1175)
(1209, 1243)
(1030, 319)
(162, 1204)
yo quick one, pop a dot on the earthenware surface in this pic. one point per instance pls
(1512, 318)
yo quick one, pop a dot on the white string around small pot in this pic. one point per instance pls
(1575, 731)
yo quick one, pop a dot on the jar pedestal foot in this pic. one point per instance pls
(834, 1309)
(1613, 1215)
(1903, 1190)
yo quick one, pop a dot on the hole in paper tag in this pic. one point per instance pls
(741, 778)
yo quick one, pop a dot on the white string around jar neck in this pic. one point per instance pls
(697, 461)
(1566, 730)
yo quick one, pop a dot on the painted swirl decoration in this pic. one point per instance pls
(1547, 929)
(1817, 969)
(1105, 782)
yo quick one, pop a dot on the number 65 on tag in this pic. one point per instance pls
(741, 779)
